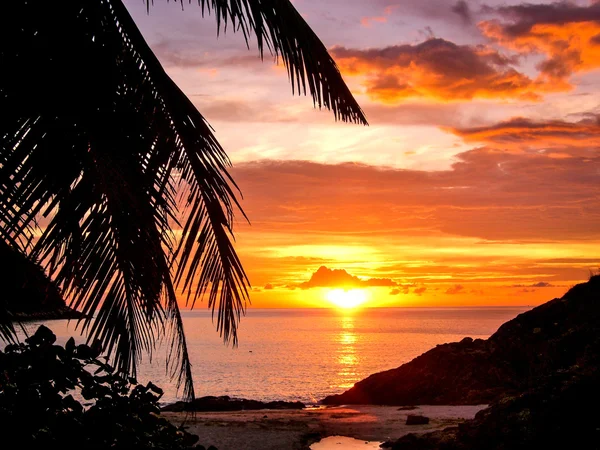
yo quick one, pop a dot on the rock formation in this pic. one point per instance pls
(538, 343)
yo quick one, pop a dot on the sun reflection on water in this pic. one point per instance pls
(347, 357)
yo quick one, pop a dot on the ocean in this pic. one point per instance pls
(307, 354)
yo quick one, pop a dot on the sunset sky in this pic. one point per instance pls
(476, 183)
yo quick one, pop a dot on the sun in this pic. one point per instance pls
(347, 298)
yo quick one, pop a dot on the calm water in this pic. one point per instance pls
(308, 354)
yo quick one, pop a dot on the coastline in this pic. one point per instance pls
(269, 429)
(60, 313)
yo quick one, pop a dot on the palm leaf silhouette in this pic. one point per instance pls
(100, 144)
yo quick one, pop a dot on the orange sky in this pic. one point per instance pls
(476, 183)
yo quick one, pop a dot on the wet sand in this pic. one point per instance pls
(297, 429)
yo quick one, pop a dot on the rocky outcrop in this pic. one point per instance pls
(536, 344)
(558, 413)
(226, 403)
(27, 293)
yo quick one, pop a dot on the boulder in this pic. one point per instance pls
(416, 420)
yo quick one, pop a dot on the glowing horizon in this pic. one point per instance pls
(476, 183)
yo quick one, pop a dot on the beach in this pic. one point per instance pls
(298, 429)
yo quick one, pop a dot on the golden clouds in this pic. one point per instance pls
(339, 278)
(436, 69)
(488, 194)
(522, 133)
(568, 48)
(566, 35)
(496, 218)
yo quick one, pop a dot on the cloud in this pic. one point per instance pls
(402, 289)
(436, 69)
(522, 133)
(239, 110)
(420, 290)
(565, 33)
(268, 287)
(185, 54)
(488, 193)
(325, 277)
(456, 289)
(414, 113)
(368, 21)
(461, 8)
(540, 284)
(526, 16)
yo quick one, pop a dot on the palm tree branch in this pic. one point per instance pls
(209, 198)
(278, 26)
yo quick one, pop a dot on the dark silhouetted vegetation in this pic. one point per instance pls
(98, 139)
(68, 397)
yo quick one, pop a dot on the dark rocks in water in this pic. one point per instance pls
(226, 403)
(539, 342)
(407, 408)
(412, 419)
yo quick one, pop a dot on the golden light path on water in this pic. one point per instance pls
(348, 358)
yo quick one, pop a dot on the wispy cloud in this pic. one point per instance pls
(519, 133)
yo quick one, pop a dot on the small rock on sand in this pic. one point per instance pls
(416, 420)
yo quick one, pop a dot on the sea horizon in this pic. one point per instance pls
(307, 354)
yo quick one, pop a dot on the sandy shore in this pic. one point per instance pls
(297, 429)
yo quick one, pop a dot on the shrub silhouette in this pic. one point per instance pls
(39, 383)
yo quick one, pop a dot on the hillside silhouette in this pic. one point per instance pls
(548, 339)
(27, 292)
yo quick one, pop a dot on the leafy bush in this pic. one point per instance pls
(37, 409)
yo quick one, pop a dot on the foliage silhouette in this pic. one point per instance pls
(100, 144)
(38, 409)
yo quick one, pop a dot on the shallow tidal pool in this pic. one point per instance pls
(344, 443)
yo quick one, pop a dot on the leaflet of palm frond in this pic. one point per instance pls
(279, 27)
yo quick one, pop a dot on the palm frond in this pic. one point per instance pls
(92, 147)
(97, 141)
(209, 201)
(280, 29)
